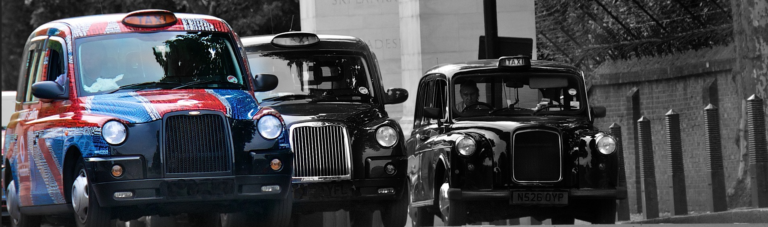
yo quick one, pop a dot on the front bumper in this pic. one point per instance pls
(186, 190)
(351, 190)
(505, 195)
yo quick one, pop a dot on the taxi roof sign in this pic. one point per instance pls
(151, 18)
(295, 39)
(515, 61)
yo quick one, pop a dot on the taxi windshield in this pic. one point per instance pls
(161, 60)
(517, 94)
(314, 77)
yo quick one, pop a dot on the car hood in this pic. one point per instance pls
(349, 113)
(146, 106)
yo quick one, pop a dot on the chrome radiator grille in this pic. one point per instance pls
(196, 144)
(536, 156)
(320, 150)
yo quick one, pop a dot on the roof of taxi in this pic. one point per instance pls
(112, 23)
(264, 43)
(492, 65)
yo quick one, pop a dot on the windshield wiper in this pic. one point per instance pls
(209, 81)
(326, 98)
(139, 85)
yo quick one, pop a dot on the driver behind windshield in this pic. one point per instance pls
(95, 76)
(469, 94)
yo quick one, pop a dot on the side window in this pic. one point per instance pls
(429, 101)
(441, 97)
(33, 66)
(56, 68)
(417, 118)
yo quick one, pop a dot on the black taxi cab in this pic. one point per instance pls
(349, 154)
(509, 138)
(146, 113)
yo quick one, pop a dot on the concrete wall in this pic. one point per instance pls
(673, 82)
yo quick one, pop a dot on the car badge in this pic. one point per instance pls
(187, 102)
(363, 90)
(232, 79)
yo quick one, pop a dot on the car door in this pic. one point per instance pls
(425, 149)
(47, 148)
(27, 109)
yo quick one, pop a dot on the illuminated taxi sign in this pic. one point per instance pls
(295, 39)
(515, 62)
(150, 18)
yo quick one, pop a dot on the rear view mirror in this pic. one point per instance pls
(547, 82)
(264, 82)
(395, 96)
(48, 90)
(598, 111)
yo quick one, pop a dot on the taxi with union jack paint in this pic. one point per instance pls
(146, 113)
(507, 138)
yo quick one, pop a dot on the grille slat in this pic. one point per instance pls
(195, 144)
(536, 156)
(320, 151)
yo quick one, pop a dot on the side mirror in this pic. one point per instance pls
(598, 111)
(264, 82)
(395, 96)
(433, 113)
(48, 90)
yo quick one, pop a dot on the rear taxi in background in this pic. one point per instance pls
(509, 138)
(349, 154)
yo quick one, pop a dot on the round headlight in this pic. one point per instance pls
(466, 146)
(270, 127)
(386, 136)
(605, 144)
(113, 132)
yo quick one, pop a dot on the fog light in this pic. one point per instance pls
(270, 188)
(386, 191)
(276, 164)
(601, 166)
(470, 167)
(123, 195)
(117, 171)
(390, 169)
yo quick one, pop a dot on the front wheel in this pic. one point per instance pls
(17, 218)
(88, 212)
(454, 212)
(606, 214)
(395, 214)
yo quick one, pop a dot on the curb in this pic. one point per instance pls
(731, 217)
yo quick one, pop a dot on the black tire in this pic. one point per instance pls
(456, 213)
(91, 215)
(278, 212)
(396, 213)
(420, 216)
(606, 214)
(204, 220)
(17, 218)
(361, 218)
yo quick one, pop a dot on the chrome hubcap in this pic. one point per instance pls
(13, 203)
(444, 201)
(80, 196)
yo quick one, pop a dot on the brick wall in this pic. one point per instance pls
(673, 82)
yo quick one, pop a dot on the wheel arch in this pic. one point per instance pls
(70, 159)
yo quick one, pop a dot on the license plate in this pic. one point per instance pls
(557, 198)
(320, 191)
